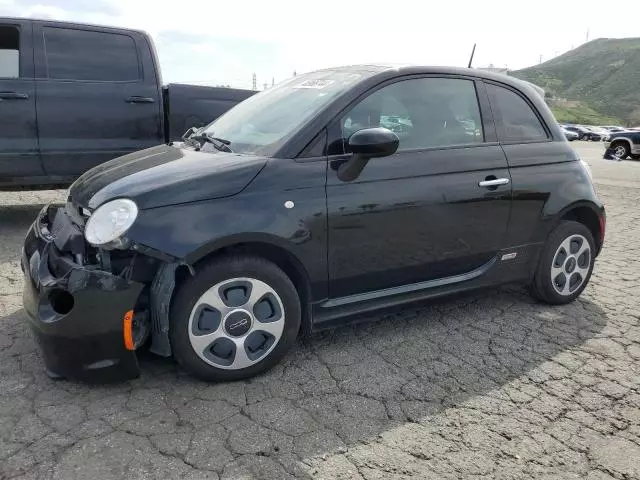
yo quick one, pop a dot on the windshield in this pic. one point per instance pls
(264, 122)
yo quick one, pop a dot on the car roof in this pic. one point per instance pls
(392, 70)
(68, 23)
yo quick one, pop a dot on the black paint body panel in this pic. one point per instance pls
(415, 216)
(257, 215)
(153, 176)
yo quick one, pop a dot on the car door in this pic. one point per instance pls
(19, 154)
(95, 102)
(425, 212)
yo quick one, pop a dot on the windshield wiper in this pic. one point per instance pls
(219, 143)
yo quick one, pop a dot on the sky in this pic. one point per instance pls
(213, 42)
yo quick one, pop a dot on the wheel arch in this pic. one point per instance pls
(270, 248)
(622, 140)
(590, 216)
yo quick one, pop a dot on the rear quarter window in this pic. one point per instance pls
(515, 120)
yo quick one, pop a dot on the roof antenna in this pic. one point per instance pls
(472, 54)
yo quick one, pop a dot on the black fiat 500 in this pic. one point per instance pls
(333, 194)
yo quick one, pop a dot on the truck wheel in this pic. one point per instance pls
(620, 149)
(565, 264)
(235, 318)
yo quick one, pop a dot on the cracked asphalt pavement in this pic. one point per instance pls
(489, 384)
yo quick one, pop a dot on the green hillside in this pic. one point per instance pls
(582, 114)
(604, 75)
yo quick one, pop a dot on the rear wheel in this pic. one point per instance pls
(565, 265)
(235, 318)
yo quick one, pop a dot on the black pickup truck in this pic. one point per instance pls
(74, 95)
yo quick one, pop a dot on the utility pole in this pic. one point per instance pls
(540, 59)
(265, 85)
(587, 34)
(294, 73)
(273, 81)
(255, 82)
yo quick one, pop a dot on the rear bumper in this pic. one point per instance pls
(76, 312)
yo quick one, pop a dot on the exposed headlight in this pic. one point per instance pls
(110, 221)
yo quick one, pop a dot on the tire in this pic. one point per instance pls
(554, 265)
(621, 149)
(635, 157)
(215, 319)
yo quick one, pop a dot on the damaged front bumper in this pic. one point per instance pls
(76, 311)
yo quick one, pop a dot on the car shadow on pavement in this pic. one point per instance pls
(335, 390)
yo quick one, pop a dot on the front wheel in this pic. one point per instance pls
(237, 317)
(565, 264)
(620, 150)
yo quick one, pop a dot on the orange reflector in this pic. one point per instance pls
(128, 330)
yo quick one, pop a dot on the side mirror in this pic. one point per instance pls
(374, 142)
(367, 144)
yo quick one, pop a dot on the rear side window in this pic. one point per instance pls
(515, 120)
(84, 55)
(9, 52)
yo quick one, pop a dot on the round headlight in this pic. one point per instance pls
(110, 221)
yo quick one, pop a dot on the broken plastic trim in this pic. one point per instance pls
(161, 291)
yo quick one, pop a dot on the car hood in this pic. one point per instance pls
(166, 175)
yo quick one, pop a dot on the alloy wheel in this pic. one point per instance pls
(236, 323)
(620, 151)
(570, 266)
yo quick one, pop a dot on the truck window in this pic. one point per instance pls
(85, 55)
(9, 52)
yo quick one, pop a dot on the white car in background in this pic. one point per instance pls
(603, 134)
(613, 128)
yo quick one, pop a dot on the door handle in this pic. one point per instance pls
(495, 182)
(13, 96)
(136, 99)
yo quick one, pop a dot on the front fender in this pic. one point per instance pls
(191, 232)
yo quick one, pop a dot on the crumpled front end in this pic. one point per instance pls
(80, 312)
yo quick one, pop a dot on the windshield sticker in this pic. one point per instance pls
(316, 84)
